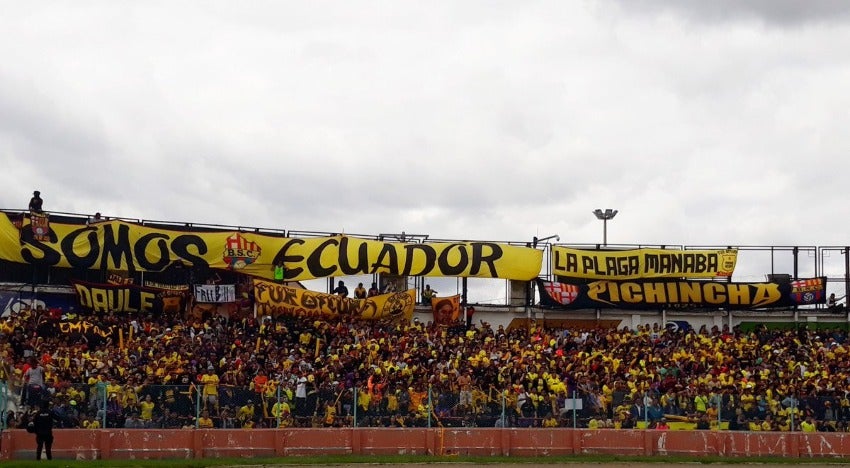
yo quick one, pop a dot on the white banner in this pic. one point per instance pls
(215, 293)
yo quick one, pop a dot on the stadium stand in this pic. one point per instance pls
(170, 372)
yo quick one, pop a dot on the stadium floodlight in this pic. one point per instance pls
(605, 216)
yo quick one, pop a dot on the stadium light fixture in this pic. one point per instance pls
(537, 241)
(605, 216)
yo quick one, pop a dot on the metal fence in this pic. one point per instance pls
(104, 405)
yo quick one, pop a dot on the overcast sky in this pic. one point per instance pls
(710, 123)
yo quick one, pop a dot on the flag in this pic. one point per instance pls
(562, 293)
(808, 291)
(40, 226)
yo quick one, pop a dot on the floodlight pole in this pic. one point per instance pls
(605, 216)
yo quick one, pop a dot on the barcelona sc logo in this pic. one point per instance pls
(240, 252)
(808, 291)
(562, 293)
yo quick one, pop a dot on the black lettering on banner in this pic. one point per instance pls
(572, 263)
(117, 249)
(479, 258)
(362, 265)
(680, 262)
(564, 263)
(410, 255)
(48, 256)
(611, 266)
(453, 270)
(180, 247)
(275, 294)
(309, 301)
(687, 262)
(291, 271)
(288, 296)
(698, 263)
(261, 292)
(587, 264)
(314, 260)
(634, 265)
(650, 263)
(622, 266)
(387, 260)
(323, 302)
(69, 242)
(670, 264)
(369, 306)
(141, 248)
(674, 263)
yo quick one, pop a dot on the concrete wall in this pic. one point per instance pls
(85, 444)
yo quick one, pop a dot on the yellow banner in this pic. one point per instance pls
(121, 246)
(642, 263)
(275, 299)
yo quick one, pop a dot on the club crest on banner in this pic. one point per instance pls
(808, 291)
(563, 293)
(240, 252)
(40, 227)
(397, 304)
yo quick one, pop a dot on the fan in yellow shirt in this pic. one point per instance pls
(210, 391)
(330, 415)
(246, 413)
(282, 411)
(146, 410)
(205, 422)
(808, 425)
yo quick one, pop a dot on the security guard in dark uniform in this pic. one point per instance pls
(43, 430)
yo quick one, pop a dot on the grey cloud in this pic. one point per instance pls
(774, 12)
(464, 120)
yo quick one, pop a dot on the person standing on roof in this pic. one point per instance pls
(36, 202)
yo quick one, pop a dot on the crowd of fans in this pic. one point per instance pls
(215, 372)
